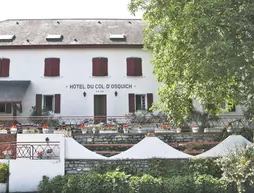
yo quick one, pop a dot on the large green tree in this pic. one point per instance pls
(202, 49)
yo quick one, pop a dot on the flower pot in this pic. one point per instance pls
(178, 130)
(60, 132)
(45, 130)
(140, 130)
(3, 187)
(4, 131)
(195, 129)
(28, 131)
(206, 130)
(84, 131)
(13, 130)
(7, 154)
(108, 131)
(125, 130)
(229, 129)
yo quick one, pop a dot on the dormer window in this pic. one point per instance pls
(117, 37)
(54, 37)
(7, 38)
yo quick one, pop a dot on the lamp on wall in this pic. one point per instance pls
(116, 93)
(84, 94)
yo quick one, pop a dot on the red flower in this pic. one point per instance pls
(44, 125)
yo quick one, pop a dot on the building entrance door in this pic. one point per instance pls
(100, 108)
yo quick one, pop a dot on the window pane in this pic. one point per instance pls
(48, 103)
(2, 107)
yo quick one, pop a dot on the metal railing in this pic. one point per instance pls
(30, 150)
(131, 120)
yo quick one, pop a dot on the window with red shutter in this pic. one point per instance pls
(134, 66)
(38, 103)
(138, 67)
(131, 103)
(100, 67)
(52, 67)
(130, 66)
(4, 67)
(149, 100)
(57, 103)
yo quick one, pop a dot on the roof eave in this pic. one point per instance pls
(49, 46)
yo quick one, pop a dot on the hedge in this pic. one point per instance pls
(4, 173)
(117, 181)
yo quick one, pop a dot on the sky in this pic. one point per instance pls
(42, 9)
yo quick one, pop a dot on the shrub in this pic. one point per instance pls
(4, 173)
(115, 182)
(146, 184)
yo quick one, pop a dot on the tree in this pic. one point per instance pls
(202, 49)
(238, 167)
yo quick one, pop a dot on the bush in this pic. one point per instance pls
(119, 182)
(146, 184)
(4, 173)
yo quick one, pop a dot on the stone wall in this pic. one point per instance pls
(83, 166)
(133, 138)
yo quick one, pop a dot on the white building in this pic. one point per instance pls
(78, 67)
(74, 67)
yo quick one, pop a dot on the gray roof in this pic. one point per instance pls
(74, 31)
(227, 146)
(149, 148)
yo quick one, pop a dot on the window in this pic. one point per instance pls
(5, 108)
(134, 66)
(48, 102)
(4, 67)
(140, 102)
(54, 37)
(52, 67)
(100, 67)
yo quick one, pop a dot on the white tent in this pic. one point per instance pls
(228, 145)
(74, 150)
(151, 147)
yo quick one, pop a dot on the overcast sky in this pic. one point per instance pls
(39, 9)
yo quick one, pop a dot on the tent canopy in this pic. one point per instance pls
(228, 145)
(149, 148)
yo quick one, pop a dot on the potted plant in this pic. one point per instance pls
(125, 128)
(13, 129)
(108, 129)
(3, 130)
(229, 128)
(62, 130)
(4, 175)
(40, 154)
(83, 128)
(195, 128)
(7, 152)
(45, 129)
(179, 129)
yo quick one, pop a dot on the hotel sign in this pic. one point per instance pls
(100, 86)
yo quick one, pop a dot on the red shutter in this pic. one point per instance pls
(52, 67)
(149, 100)
(8, 108)
(5, 67)
(57, 103)
(96, 67)
(131, 103)
(55, 67)
(138, 67)
(38, 103)
(130, 66)
(103, 66)
(47, 67)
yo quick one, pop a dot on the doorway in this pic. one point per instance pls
(100, 108)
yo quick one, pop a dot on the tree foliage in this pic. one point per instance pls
(202, 49)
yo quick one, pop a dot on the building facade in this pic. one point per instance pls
(78, 67)
(74, 67)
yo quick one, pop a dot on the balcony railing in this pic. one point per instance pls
(30, 150)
